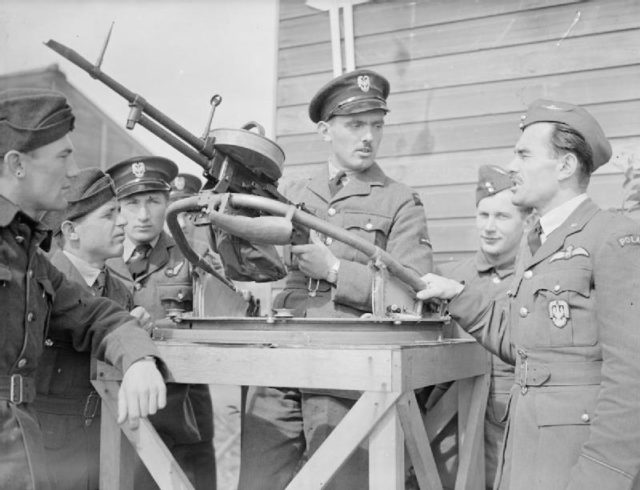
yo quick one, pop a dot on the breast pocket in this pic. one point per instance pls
(564, 307)
(372, 228)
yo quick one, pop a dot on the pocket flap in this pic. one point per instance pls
(180, 292)
(577, 280)
(567, 407)
(367, 222)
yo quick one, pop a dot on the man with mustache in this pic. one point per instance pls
(161, 281)
(329, 279)
(88, 231)
(571, 328)
(500, 225)
(37, 301)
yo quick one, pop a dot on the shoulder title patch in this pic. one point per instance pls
(629, 240)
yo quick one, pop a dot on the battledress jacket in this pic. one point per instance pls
(36, 301)
(188, 416)
(68, 407)
(372, 206)
(572, 332)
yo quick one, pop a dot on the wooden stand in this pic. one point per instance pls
(343, 355)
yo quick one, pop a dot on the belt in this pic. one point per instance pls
(17, 389)
(87, 406)
(535, 374)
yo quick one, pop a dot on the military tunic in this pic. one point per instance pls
(282, 423)
(478, 272)
(37, 302)
(572, 333)
(186, 423)
(67, 405)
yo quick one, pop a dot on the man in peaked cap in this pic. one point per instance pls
(500, 225)
(161, 279)
(329, 279)
(89, 231)
(572, 324)
(36, 164)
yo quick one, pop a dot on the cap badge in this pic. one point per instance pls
(489, 186)
(364, 83)
(553, 107)
(179, 183)
(138, 169)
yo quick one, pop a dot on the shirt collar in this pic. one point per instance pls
(129, 247)
(88, 272)
(558, 215)
(484, 265)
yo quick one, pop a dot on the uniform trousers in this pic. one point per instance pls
(287, 426)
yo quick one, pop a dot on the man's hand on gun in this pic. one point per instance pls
(439, 287)
(315, 259)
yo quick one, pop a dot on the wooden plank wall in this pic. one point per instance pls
(461, 73)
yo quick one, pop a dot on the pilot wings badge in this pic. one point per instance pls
(568, 253)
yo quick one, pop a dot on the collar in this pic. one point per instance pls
(88, 272)
(558, 215)
(10, 211)
(484, 265)
(129, 247)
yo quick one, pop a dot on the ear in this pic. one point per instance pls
(68, 229)
(14, 164)
(323, 130)
(568, 166)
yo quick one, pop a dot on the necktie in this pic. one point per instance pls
(99, 283)
(533, 238)
(139, 260)
(335, 183)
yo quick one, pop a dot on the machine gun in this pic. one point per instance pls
(233, 160)
(242, 169)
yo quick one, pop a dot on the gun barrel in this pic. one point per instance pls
(134, 99)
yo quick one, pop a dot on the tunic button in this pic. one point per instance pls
(331, 212)
(328, 241)
(22, 363)
(31, 273)
(137, 286)
(585, 417)
(528, 274)
(496, 280)
(523, 312)
(368, 226)
(48, 342)
(30, 316)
